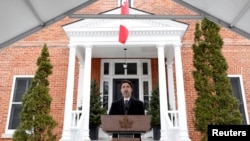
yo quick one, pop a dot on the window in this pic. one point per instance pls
(20, 87)
(146, 94)
(145, 68)
(105, 94)
(239, 94)
(119, 70)
(130, 70)
(106, 69)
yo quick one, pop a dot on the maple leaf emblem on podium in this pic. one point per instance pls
(126, 123)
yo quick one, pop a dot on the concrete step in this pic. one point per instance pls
(109, 139)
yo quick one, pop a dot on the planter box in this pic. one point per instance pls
(93, 132)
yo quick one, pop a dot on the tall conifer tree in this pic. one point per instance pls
(215, 104)
(36, 122)
(96, 110)
(96, 106)
(154, 108)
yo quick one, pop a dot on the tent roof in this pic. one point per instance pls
(20, 18)
(233, 14)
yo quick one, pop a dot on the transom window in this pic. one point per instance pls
(123, 69)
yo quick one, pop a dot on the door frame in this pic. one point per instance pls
(108, 78)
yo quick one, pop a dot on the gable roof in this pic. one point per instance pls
(144, 35)
(104, 27)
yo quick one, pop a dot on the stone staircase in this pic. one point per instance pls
(144, 137)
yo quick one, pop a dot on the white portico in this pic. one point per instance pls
(98, 38)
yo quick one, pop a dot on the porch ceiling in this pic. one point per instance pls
(131, 52)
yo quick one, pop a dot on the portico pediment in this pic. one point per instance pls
(99, 30)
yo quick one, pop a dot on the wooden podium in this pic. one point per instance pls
(125, 126)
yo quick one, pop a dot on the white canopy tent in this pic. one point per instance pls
(233, 14)
(20, 18)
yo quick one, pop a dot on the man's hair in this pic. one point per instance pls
(127, 81)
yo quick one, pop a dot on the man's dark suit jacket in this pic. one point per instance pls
(135, 107)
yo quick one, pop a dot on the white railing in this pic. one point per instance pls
(172, 119)
(76, 125)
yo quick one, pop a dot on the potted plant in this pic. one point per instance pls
(154, 111)
(96, 110)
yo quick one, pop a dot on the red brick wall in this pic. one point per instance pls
(20, 58)
(22, 61)
(238, 60)
(154, 71)
(96, 70)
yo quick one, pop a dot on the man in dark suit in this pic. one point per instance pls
(127, 105)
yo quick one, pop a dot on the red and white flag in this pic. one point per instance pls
(123, 31)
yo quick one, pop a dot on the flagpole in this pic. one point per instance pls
(123, 31)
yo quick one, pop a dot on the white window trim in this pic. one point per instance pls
(8, 133)
(243, 94)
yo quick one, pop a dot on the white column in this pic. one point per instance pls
(181, 95)
(162, 90)
(86, 91)
(69, 95)
(171, 85)
(80, 84)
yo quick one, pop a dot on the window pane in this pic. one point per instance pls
(105, 102)
(236, 88)
(20, 89)
(105, 88)
(145, 68)
(146, 102)
(105, 94)
(119, 68)
(145, 94)
(21, 86)
(14, 116)
(132, 68)
(145, 88)
(106, 68)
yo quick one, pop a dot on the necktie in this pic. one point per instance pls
(126, 102)
(126, 106)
